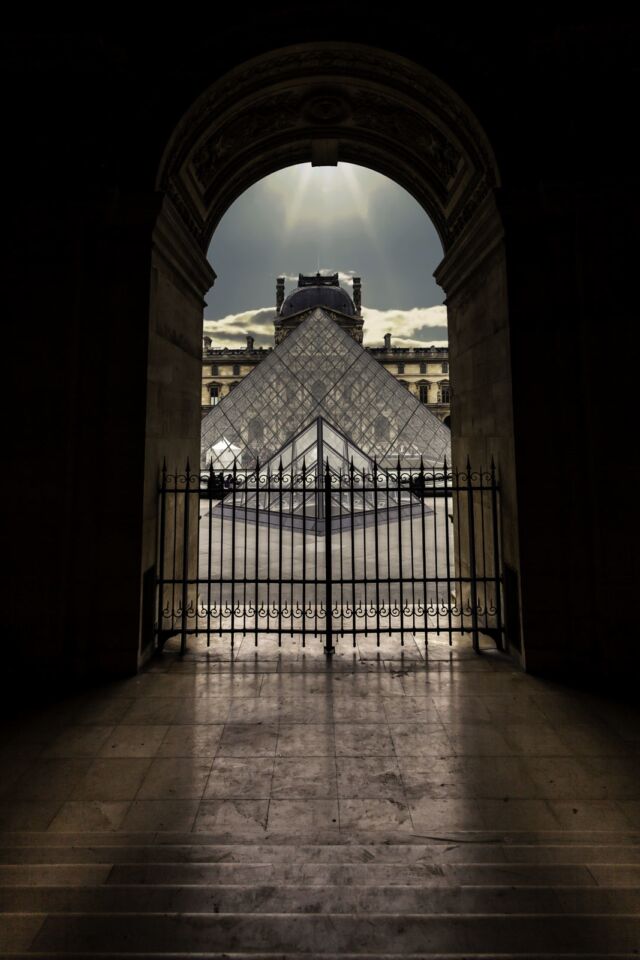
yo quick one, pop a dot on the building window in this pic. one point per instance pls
(400, 367)
(214, 394)
(445, 366)
(444, 393)
(423, 366)
(214, 370)
(236, 370)
(424, 393)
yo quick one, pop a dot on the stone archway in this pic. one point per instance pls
(327, 102)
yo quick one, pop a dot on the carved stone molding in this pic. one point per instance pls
(471, 253)
(382, 110)
(175, 244)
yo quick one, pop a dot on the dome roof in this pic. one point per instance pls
(309, 296)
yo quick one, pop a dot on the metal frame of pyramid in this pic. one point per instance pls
(319, 371)
(289, 490)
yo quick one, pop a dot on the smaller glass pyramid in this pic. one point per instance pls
(291, 489)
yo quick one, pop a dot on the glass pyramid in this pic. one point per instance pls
(290, 488)
(320, 372)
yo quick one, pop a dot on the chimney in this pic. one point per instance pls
(279, 293)
(206, 342)
(249, 343)
(387, 341)
(357, 293)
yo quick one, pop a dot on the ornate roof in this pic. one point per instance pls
(318, 291)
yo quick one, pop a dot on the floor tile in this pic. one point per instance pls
(153, 710)
(410, 710)
(198, 740)
(369, 777)
(210, 710)
(420, 740)
(374, 815)
(248, 740)
(89, 816)
(78, 741)
(161, 815)
(313, 777)
(175, 779)
(117, 779)
(134, 740)
(363, 739)
(248, 777)
(306, 740)
(27, 814)
(297, 816)
(241, 818)
(50, 780)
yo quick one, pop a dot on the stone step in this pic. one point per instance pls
(312, 874)
(264, 898)
(297, 934)
(346, 853)
(239, 955)
(402, 841)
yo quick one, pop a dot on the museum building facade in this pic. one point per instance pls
(424, 371)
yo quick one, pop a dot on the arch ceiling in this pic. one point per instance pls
(322, 102)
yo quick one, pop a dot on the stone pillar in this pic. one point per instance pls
(357, 293)
(180, 278)
(473, 276)
(387, 341)
(576, 294)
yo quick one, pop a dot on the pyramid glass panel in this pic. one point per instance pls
(289, 490)
(319, 371)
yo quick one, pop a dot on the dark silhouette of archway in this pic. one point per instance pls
(124, 154)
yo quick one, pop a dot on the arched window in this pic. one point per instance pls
(214, 394)
(424, 392)
(214, 370)
(444, 392)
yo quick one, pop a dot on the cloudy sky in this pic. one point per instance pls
(344, 219)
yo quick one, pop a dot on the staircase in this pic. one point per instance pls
(196, 895)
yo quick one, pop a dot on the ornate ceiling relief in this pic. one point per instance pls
(383, 111)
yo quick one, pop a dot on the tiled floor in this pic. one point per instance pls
(454, 754)
(278, 739)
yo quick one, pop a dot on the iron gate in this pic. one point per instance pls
(329, 553)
